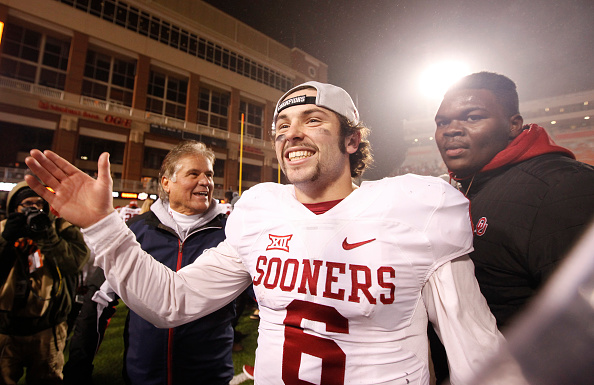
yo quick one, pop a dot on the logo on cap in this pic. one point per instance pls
(290, 102)
(296, 101)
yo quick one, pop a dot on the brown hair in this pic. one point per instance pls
(362, 158)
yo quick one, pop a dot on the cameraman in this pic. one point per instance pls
(40, 259)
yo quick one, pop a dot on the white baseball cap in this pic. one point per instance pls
(328, 96)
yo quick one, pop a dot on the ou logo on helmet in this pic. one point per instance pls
(481, 226)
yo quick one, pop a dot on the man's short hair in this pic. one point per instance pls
(171, 164)
(501, 86)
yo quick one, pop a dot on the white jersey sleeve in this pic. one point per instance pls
(158, 294)
(462, 319)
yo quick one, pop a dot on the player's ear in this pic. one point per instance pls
(352, 142)
(516, 126)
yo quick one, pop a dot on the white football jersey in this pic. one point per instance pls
(340, 293)
(129, 212)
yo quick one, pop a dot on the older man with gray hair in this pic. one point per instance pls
(182, 223)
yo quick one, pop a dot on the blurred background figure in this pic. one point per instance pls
(146, 205)
(41, 257)
(130, 210)
(234, 199)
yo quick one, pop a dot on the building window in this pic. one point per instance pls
(213, 108)
(109, 78)
(154, 157)
(167, 95)
(252, 124)
(251, 172)
(18, 140)
(126, 16)
(219, 168)
(89, 148)
(34, 57)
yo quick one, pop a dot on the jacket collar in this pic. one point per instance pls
(161, 210)
(532, 142)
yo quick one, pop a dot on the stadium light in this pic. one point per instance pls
(436, 79)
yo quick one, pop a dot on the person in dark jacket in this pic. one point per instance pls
(40, 259)
(530, 199)
(185, 221)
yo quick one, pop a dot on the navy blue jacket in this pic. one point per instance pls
(195, 353)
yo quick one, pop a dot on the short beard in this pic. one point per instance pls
(314, 178)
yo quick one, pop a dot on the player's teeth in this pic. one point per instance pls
(296, 155)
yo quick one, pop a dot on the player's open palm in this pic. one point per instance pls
(77, 197)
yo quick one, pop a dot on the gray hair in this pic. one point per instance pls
(171, 164)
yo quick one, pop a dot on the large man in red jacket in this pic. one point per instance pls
(530, 199)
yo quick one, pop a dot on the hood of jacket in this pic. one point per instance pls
(11, 195)
(532, 142)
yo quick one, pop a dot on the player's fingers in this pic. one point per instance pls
(49, 165)
(34, 162)
(103, 171)
(39, 188)
(61, 164)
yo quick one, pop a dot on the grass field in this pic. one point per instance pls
(109, 358)
(108, 362)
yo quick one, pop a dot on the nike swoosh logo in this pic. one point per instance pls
(351, 246)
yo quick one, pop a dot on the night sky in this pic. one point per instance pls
(376, 50)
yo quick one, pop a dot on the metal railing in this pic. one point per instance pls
(111, 106)
(164, 120)
(31, 88)
(134, 186)
(106, 105)
(12, 175)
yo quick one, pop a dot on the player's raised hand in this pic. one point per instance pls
(78, 198)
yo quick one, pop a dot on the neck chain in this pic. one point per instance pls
(468, 189)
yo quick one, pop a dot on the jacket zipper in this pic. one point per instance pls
(177, 267)
(171, 331)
